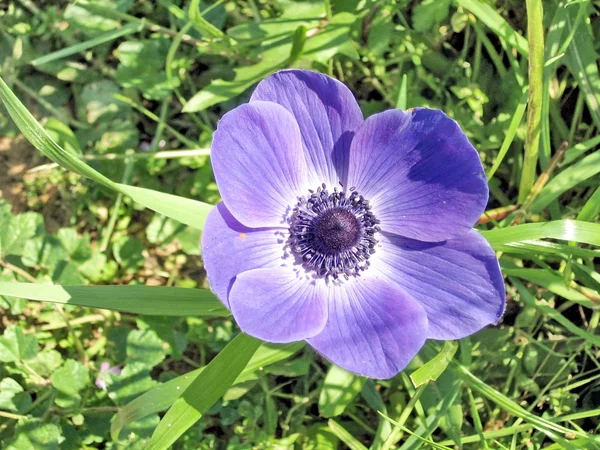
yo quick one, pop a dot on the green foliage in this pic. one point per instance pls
(127, 93)
(339, 389)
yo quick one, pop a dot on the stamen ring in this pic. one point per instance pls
(333, 234)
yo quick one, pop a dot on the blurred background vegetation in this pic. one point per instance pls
(136, 87)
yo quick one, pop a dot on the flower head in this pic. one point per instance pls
(106, 370)
(354, 235)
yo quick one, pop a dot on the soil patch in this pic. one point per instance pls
(16, 157)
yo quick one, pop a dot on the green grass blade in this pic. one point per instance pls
(567, 179)
(82, 46)
(187, 211)
(508, 405)
(553, 314)
(345, 436)
(162, 397)
(534, 248)
(535, 31)
(37, 135)
(567, 230)
(578, 150)
(553, 43)
(149, 300)
(204, 391)
(375, 401)
(591, 208)
(516, 120)
(402, 102)
(581, 60)
(552, 282)
(497, 24)
(145, 111)
(203, 25)
(432, 422)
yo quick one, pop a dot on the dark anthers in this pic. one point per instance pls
(333, 234)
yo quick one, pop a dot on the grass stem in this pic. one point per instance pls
(535, 32)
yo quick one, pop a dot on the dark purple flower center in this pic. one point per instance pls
(337, 229)
(332, 234)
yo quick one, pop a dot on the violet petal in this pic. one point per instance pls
(258, 163)
(278, 305)
(327, 114)
(458, 282)
(374, 328)
(420, 173)
(229, 248)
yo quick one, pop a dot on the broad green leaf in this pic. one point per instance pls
(432, 369)
(34, 434)
(339, 389)
(271, 28)
(161, 230)
(489, 16)
(97, 268)
(96, 104)
(77, 247)
(429, 13)
(295, 14)
(133, 381)
(187, 211)
(567, 230)
(142, 66)
(16, 231)
(46, 362)
(163, 396)
(320, 437)
(333, 40)
(84, 18)
(66, 273)
(68, 381)
(145, 347)
(12, 396)
(320, 47)
(71, 378)
(220, 90)
(16, 345)
(150, 300)
(204, 391)
(128, 253)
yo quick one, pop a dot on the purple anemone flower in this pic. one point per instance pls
(354, 235)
